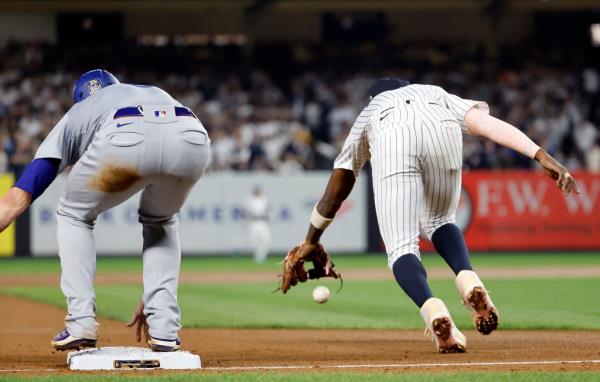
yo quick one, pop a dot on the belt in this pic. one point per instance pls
(138, 111)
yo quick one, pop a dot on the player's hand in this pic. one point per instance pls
(139, 319)
(557, 171)
(293, 265)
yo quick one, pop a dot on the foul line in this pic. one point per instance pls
(357, 366)
(400, 365)
(28, 370)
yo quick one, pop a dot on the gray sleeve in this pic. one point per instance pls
(55, 145)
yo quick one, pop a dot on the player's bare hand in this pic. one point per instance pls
(555, 170)
(293, 265)
(139, 319)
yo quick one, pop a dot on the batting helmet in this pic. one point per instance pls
(92, 81)
(385, 84)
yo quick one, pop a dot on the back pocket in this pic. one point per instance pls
(195, 137)
(125, 138)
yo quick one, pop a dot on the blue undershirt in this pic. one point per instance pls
(38, 176)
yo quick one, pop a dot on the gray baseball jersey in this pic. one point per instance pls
(71, 136)
(413, 138)
(120, 140)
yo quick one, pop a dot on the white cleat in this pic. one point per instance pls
(447, 337)
(477, 299)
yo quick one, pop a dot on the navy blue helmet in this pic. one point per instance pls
(92, 81)
(385, 84)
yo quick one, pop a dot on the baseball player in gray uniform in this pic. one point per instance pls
(412, 134)
(119, 139)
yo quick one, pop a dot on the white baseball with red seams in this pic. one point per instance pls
(321, 294)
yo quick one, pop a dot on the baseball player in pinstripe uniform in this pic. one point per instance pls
(119, 139)
(412, 134)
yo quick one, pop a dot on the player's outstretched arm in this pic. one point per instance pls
(481, 124)
(339, 187)
(12, 205)
(35, 179)
(340, 184)
(555, 170)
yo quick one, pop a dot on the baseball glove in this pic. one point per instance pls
(293, 266)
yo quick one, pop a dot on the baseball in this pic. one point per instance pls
(321, 294)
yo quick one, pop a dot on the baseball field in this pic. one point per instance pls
(549, 321)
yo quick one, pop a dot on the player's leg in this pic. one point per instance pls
(159, 204)
(262, 240)
(85, 196)
(398, 190)
(442, 183)
(253, 239)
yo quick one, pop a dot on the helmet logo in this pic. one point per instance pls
(94, 86)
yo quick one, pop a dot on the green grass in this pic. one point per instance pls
(523, 304)
(244, 263)
(323, 376)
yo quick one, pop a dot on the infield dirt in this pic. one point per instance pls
(26, 329)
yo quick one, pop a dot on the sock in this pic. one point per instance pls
(412, 278)
(449, 241)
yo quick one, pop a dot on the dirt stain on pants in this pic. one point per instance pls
(114, 178)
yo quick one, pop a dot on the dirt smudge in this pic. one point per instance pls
(114, 177)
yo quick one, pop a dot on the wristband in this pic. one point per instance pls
(319, 221)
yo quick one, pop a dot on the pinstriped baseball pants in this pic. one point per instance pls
(416, 180)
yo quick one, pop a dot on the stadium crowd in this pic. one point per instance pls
(299, 123)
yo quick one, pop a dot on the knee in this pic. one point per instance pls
(80, 220)
(148, 219)
(408, 267)
(433, 224)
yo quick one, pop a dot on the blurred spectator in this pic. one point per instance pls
(299, 122)
(593, 157)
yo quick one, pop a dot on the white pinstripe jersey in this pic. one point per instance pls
(410, 104)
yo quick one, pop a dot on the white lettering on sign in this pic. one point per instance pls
(586, 199)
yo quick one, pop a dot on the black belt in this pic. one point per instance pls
(138, 111)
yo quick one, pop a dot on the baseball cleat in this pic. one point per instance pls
(65, 341)
(447, 337)
(161, 345)
(477, 299)
(485, 315)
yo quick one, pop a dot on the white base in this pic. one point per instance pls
(126, 358)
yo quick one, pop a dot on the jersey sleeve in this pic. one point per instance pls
(55, 145)
(355, 152)
(460, 106)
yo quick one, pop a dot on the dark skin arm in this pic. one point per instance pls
(556, 171)
(339, 187)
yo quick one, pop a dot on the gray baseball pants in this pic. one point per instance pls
(163, 156)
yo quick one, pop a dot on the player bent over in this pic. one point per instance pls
(119, 139)
(412, 134)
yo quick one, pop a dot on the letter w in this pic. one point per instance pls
(587, 200)
(525, 197)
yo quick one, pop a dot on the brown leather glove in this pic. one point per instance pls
(557, 171)
(293, 265)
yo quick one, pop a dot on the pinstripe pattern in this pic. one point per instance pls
(413, 137)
